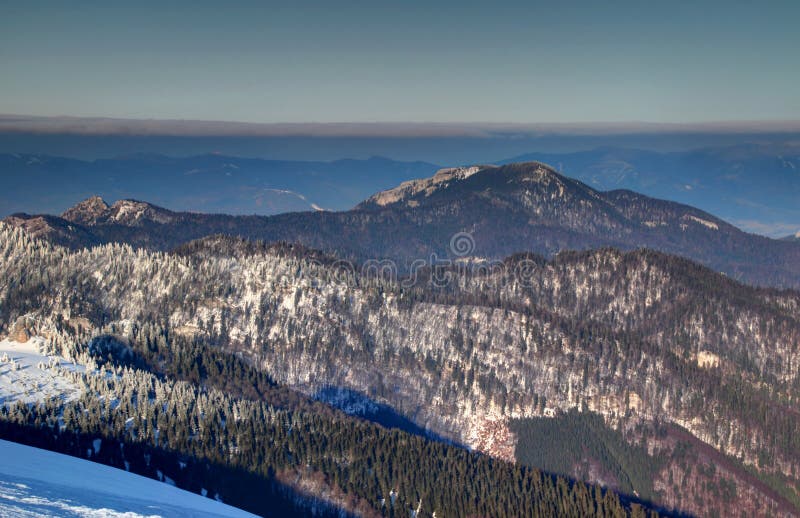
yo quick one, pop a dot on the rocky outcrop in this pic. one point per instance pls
(95, 211)
(87, 212)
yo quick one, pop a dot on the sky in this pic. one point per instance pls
(526, 62)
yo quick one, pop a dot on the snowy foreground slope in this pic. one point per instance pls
(35, 482)
(27, 375)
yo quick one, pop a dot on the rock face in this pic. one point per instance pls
(87, 212)
(95, 211)
(19, 333)
(35, 226)
(54, 229)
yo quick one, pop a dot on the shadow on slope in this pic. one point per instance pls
(354, 403)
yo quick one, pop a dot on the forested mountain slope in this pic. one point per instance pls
(680, 360)
(175, 403)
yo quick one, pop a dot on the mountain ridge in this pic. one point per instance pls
(526, 207)
(754, 185)
(210, 182)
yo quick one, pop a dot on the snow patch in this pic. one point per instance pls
(35, 482)
(704, 222)
(27, 375)
(428, 186)
(707, 359)
(653, 224)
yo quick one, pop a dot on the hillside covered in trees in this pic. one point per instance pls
(675, 360)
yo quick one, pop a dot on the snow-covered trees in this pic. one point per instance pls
(614, 333)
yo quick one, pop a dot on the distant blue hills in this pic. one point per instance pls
(207, 183)
(754, 186)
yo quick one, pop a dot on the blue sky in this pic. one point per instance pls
(402, 61)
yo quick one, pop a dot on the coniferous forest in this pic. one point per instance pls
(286, 380)
(180, 410)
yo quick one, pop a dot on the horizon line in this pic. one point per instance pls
(102, 125)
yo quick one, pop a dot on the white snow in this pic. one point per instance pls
(653, 224)
(35, 482)
(288, 192)
(410, 188)
(704, 222)
(460, 172)
(297, 195)
(27, 375)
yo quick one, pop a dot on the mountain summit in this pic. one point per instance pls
(481, 180)
(406, 191)
(95, 211)
(532, 194)
(524, 207)
(86, 212)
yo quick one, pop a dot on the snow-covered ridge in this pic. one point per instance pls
(36, 482)
(427, 185)
(528, 173)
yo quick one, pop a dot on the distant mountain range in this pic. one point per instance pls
(206, 183)
(526, 207)
(754, 186)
